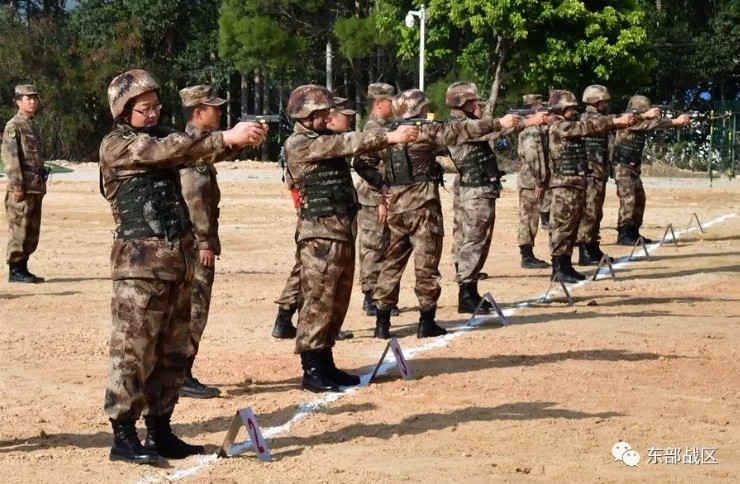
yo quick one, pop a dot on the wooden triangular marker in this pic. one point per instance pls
(695, 217)
(245, 417)
(640, 241)
(562, 285)
(605, 260)
(401, 363)
(673, 236)
(488, 297)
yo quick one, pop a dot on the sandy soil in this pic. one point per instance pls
(651, 358)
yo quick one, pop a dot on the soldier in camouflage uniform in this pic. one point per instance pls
(202, 196)
(568, 166)
(596, 98)
(532, 182)
(24, 167)
(152, 261)
(372, 232)
(341, 120)
(479, 185)
(415, 213)
(326, 228)
(627, 158)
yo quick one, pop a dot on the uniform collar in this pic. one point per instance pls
(592, 109)
(25, 116)
(299, 128)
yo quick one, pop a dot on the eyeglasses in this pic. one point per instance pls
(149, 111)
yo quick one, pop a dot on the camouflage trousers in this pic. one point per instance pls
(148, 346)
(24, 226)
(631, 197)
(565, 216)
(588, 230)
(373, 244)
(420, 231)
(529, 216)
(546, 202)
(290, 298)
(327, 269)
(472, 236)
(201, 304)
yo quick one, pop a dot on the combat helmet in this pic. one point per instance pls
(561, 99)
(125, 87)
(639, 103)
(461, 92)
(305, 100)
(409, 103)
(595, 93)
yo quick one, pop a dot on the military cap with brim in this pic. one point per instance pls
(341, 108)
(380, 90)
(200, 94)
(25, 90)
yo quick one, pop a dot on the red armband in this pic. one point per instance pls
(296, 197)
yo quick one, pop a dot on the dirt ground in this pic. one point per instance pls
(651, 358)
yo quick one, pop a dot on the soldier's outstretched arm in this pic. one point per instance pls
(369, 173)
(326, 147)
(591, 126)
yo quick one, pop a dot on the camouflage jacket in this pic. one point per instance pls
(202, 195)
(646, 125)
(21, 155)
(421, 155)
(368, 195)
(534, 170)
(459, 152)
(304, 151)
(599, 168)
(559, 133)
(127, 153)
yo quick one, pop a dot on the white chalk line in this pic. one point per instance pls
(309, 407)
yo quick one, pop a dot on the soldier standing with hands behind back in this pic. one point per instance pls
(24, 167)
(152, 261)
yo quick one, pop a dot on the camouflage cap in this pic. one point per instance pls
(461, 92)
(340, 105)
(409, 103)
(640, 103)
(380, 90)
(530, 99)
(595, 93)
(307, 99)
(561, 99)
(125, 87)
(200, 94)
(25, 90)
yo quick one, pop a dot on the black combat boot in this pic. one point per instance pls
(383, 324)
(36, 279)
(127, 446)
(585, 255)
(560, 266)
(159, 437)
(428, 328)
(191, 387)
(341, 378)
(637, 234)
(567, 267)
(545, 220)
(529, 261)
(343, 335)
(596, 253)
(395, 311)
(284, 328)
(315, 374)
(626, 235)
(468, 299)
(17, 274)
(368, 305)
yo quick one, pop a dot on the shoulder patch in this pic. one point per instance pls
(310, 134)
(11, 131)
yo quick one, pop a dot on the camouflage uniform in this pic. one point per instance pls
(415, 214)
(567, 158)
(627, 159)
(24, 167)
(152, 258)
(533, 172)
(598, 174)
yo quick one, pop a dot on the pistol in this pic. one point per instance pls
(416, 121)
(528, 111)
(261, 118)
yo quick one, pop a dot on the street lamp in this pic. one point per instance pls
(422, 14)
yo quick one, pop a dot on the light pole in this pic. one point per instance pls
(422, 14)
